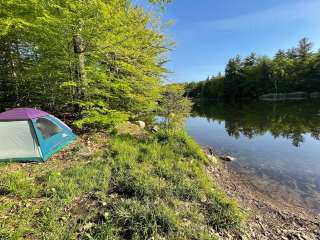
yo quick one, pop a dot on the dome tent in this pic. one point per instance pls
(28, 134)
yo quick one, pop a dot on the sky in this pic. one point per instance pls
(208, 33)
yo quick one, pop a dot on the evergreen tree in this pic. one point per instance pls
(250, 60)
(292, 53)
(304, 48)
(296, 69)
(232, 78)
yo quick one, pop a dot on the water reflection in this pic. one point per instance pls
(288, 120)
(276, 144)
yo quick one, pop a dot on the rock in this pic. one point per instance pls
(209, 150)
(155, 128)
(228, 158)
(211, 154)
(212, 158)
(141, 124)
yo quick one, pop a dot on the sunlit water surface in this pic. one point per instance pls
(276, 144)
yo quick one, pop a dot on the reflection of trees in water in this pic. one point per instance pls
(290, 120)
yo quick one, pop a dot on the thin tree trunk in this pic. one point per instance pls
(80, 72)
(13, 65)
(276, 86)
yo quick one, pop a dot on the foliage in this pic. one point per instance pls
(174, 107)
(102, 61)
(296, 69)
(152, 188)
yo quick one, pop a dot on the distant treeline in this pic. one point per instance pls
(297, 69)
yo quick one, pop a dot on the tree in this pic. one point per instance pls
(304, 48)
(313, 78)
(174, 107)
(232, 78)
(100, 60)
(265, 71)
(250, 60)
(16, 50)
(292, 53)
(280, 54)
(281, 69)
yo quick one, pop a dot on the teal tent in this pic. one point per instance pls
(28, 134)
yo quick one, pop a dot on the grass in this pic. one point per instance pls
(153, 187)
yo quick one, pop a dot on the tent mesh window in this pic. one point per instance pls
(48, 128)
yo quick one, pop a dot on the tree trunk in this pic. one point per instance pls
(80, 72)
(14, 76)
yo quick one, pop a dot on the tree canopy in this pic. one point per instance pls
(102, 61)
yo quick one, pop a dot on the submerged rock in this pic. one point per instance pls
(228, 158)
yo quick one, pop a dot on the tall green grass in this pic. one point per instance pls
(151, 188)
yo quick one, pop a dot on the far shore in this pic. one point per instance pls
(271, 97)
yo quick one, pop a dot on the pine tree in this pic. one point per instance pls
(232, 78)
(304, 48)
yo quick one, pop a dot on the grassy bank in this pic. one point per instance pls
(150, 187)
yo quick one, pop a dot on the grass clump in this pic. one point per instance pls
(155, 187)
(133, 219)
(81, 179)
(18, 184)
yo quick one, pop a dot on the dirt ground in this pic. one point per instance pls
(266, 218)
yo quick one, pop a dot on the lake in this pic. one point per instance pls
(277, 144)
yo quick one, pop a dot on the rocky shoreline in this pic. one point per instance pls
(266, 218)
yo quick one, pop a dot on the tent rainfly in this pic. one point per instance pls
(31, 135)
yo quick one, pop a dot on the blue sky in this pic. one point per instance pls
(209, 32)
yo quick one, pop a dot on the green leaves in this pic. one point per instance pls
(100, 60)
(101, 118)
(174, 107)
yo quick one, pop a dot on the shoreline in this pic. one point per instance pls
(267, 218)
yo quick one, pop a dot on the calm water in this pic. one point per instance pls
(277, 145)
